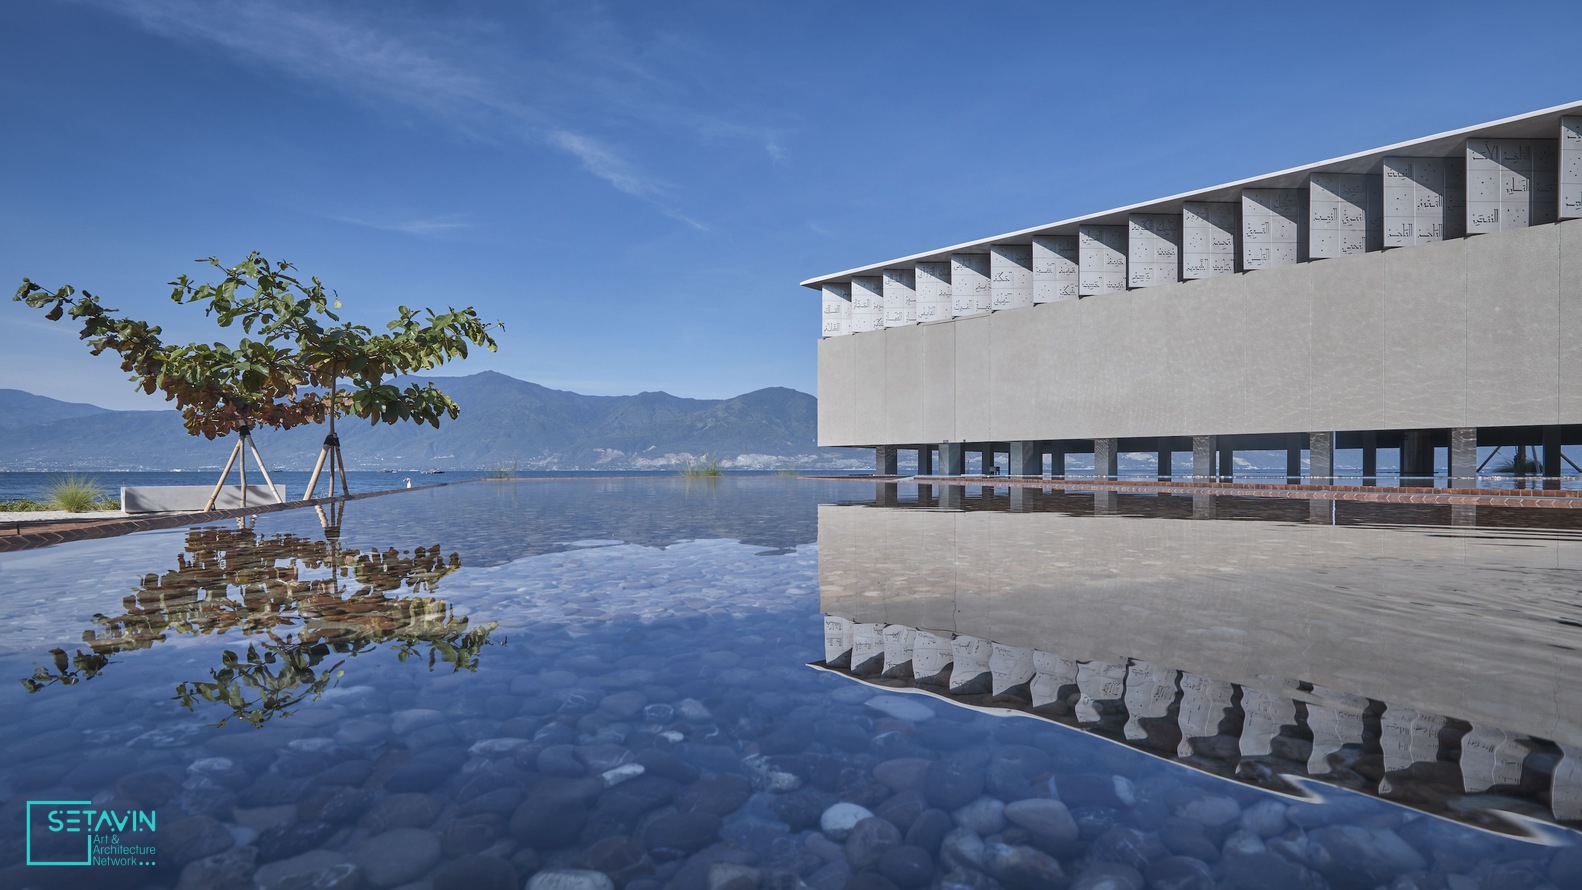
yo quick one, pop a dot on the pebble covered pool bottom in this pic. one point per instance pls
(586, 684)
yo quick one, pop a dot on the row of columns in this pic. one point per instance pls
(1213, 457)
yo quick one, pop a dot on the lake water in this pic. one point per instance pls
(767, 682)
(35, 486)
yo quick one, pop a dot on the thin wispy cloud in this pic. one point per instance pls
(437, 225)
(466, 82)
(599, 160)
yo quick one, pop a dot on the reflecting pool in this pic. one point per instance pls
(766, 682)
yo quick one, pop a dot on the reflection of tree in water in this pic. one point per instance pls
(300, 601)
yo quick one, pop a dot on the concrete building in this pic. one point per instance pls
(1421, 296)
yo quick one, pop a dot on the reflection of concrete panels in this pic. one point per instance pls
(1204, 703)
(898, 640)
(837, 310)
(933, 292)
(1333, 729)
(1010, 276)
(1511, 183)
(1010, 667)
(1100, 683)
(900, 297)
(1424, 200)
(1054, 268)
(837, 639)
(1570, 163)
(969, 284)
(1153, 249)
(931, 653)
(1491, 757)
(1273, 227)
(970, 657)
(867, 647)
(867, 303)
(1150, 690)
(1051, 674)
(1344, 215)
(1101, 259)
(1209, 230)
(1264, 716)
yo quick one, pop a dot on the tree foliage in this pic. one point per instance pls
(293, 351)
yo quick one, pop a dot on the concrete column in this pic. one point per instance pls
(1204, 506)
(1106, 458)
(1203, 448)
(1464, 457)
(950, 496)
(884, 460)
(953, 459)
(1293, 459)
(1018, 499)
(886, 494)
(1104, 503)
(1551, 457)
(1463, 515)
(1057, 461)
(1321, 512)
(1164, 461)
(1321, 458)
(986, 461)
(925, 460)
(1226, 471)
(1417, 459)
(1027, 459)
(1370, 458)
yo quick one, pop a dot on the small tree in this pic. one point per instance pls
(288, 367)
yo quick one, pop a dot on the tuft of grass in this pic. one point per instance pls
(23, 506)
(786, 472)
(75, 494)
(504, 471)
(707, 468)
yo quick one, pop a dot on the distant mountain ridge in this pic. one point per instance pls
(504, 422)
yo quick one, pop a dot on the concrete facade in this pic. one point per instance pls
(1250, 335)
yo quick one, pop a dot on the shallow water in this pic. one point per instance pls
(631, 681)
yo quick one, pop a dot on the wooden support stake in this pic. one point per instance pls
(224, 474)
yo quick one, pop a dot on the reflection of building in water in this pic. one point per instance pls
(300, 601)
(1253, 650)
(1340, 305)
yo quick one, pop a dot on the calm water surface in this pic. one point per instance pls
(772, 682)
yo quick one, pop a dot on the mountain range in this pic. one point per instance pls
(504, 422)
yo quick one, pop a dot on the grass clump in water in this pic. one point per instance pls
(77, 494)
(703, 468)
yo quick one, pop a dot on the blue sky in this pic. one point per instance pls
(635, 189)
